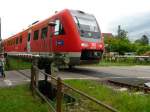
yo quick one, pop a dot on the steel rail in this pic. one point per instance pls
(23, 74)
(145, 89)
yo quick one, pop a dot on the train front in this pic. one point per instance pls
(92, 45)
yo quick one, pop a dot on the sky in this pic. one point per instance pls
(132, 15)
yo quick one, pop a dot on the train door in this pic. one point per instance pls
(59, 39)
(44, 40)
(28, 42)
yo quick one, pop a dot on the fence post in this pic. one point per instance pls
(59, 95)
(47, 70)
(32, 79)
(36, 77)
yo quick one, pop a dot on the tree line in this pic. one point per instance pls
(121, 44)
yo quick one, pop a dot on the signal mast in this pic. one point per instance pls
(2, 74)
(1, 46)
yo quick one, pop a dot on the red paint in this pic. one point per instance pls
(71, 38)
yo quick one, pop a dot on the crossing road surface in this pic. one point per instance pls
(140, 72)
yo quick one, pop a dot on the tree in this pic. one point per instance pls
(143, 40)
(119, 45)
(122, 33)
(142, 49)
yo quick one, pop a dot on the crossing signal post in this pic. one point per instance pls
(1, 55)
(1, 47)
(0, 29)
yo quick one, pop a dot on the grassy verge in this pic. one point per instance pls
(19, 99)
(123, 101)
(121, 63)
(17, 63)
(108, 63)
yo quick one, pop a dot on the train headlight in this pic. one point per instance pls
(84, 44)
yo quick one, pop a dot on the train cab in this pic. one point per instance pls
(92, 45)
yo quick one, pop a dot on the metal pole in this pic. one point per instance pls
(1, 47)
(0, 29)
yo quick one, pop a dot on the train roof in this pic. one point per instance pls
(37, 23)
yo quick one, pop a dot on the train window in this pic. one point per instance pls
(8, 43)
(29, 37)
(13, 42)
(44, 33)
(20, 39)
(36, 35)
(16, 40)
(59, 30)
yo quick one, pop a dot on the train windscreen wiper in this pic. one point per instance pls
(78, 23)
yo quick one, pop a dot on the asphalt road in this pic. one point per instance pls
(130, 72)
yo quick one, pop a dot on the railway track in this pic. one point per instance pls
(129, 83)
(130, 86)
(19, 71)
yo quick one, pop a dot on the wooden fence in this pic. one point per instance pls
(60, 87)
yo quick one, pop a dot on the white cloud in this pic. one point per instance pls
(18, 14)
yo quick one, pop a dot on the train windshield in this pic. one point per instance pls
(87, 25)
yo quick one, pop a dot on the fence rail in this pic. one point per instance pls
(63, 89)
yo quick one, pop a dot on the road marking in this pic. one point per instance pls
(143, 77)
(128, 77)
(27, 80)
(86, 78)
(8, 82)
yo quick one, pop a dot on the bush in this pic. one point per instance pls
(142, 49)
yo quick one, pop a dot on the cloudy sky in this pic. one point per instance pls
(132, 15)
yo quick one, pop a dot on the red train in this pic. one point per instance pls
(72, 32)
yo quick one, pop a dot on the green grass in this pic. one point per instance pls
(18, 63)
(123, 101)
(121, 63)
(108, 63)
(19, 99)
